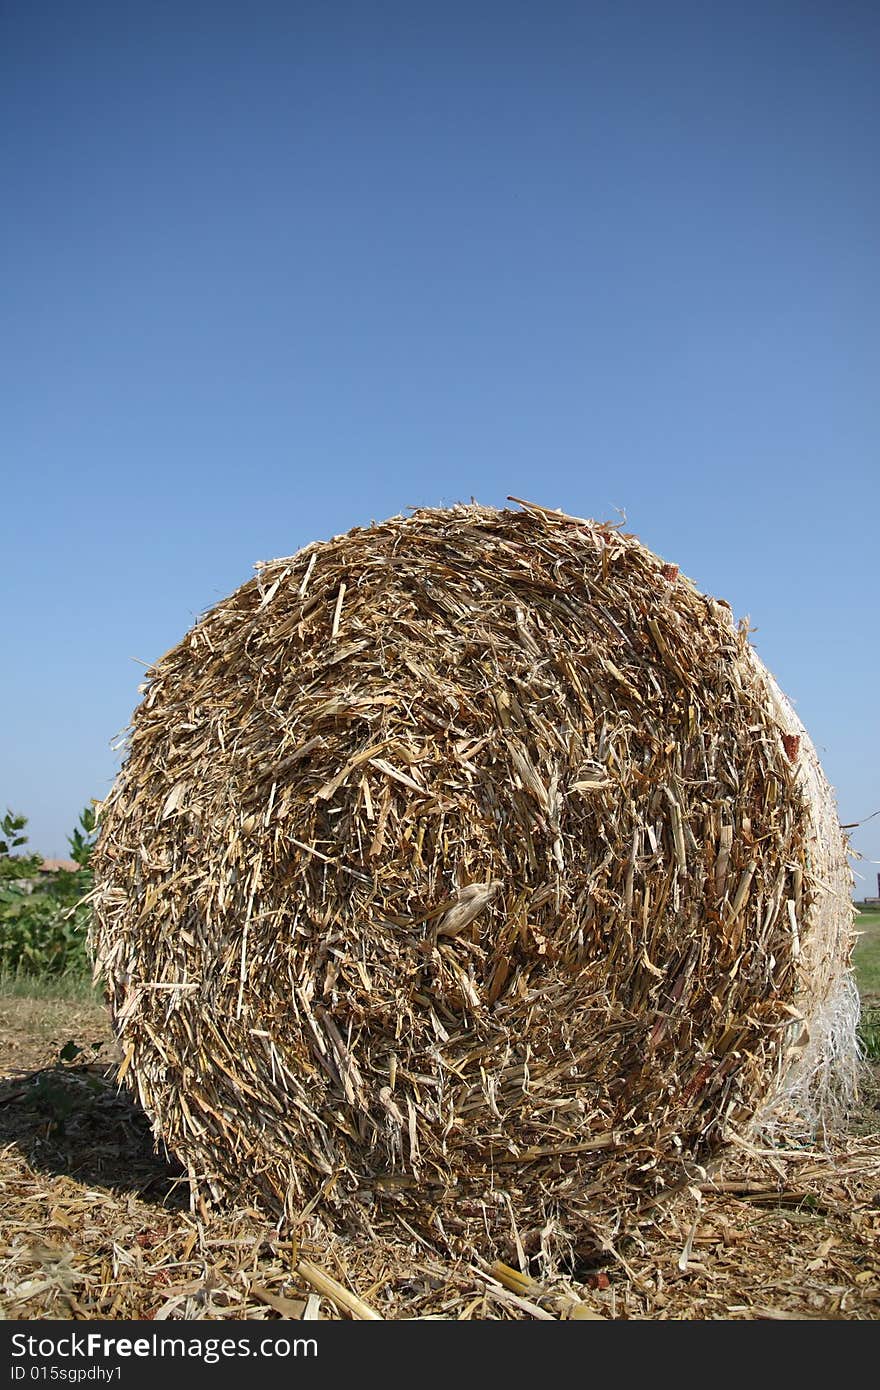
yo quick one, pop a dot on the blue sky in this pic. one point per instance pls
(272, 271)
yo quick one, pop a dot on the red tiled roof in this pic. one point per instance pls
(54, 866)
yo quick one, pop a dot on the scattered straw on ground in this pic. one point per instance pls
(94, 1226)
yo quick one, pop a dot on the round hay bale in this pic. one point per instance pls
(470, 868)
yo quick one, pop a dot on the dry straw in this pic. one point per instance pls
(469, 872)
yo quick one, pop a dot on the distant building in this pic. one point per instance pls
(45, 871)
(872, 904)
(57, 866)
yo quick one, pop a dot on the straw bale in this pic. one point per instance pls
(469, 869)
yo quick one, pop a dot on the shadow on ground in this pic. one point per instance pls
(71, 1120)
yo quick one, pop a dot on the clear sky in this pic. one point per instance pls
(273, 270)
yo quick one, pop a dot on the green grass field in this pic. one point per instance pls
(866, 957)
(74, 987)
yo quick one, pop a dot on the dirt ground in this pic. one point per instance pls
(95, 1225)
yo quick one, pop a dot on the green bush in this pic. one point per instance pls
(43, 932)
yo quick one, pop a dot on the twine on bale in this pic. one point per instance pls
(470, 871)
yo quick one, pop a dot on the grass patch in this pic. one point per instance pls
(866, 963)
(866, 956)
(869, 1032)
(74, 987)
